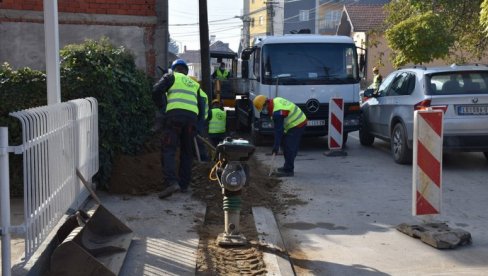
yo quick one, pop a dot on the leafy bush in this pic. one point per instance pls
(91, 69)
(21, 89)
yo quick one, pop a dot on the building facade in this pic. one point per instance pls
(137, 25)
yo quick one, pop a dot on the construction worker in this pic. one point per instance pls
(289, 125)
(179, 96)
(217, 122)
(377, 79)
(221, 73)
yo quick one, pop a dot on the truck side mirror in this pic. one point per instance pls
(245, 69)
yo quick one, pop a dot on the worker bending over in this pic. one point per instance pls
(289, 125)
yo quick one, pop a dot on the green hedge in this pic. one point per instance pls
(91, 69)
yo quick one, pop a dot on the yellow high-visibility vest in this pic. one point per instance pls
(183, 94)
(222, 75)
(295, 115)
(217, 123)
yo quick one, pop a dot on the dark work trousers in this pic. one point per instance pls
(178, 132)
(291, 143)
(216, 138)
(202, 148)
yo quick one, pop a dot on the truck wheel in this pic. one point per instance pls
(399, 148)
(365, 138)
(240, 127)
(256, 138)
(344, 139)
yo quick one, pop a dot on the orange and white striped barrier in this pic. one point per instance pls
(427, 162)
(336, 123)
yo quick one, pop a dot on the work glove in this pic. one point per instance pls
(275, 150)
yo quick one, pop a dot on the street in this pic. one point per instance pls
(353, 204)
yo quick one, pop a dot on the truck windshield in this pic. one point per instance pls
(309, 63)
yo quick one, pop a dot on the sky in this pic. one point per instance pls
(226, 28)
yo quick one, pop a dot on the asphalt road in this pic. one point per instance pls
(347, 226)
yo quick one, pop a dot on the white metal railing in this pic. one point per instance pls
(56, 140)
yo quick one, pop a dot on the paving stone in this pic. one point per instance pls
(438, 235)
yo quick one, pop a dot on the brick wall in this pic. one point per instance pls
(116, 7)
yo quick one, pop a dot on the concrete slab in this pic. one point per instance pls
(166, 239)
(437, 235)
(275, 256)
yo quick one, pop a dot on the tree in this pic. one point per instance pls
(420, 31)
(173, 47)
(484, 16)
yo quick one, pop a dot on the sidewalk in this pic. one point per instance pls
(166, 237)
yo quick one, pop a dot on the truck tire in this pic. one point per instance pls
(256, 138)
(399, 145)
(344, 139)
(240, 127)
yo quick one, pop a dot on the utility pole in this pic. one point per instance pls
(161, 36)
(205, 48)
(269, 17)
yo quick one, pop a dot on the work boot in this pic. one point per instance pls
(282, 173)
(169, 190)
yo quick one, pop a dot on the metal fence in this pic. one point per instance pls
(56, 140)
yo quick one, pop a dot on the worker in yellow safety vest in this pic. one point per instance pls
(289, 125)
(217, 122)
(178, 96)
(221, 73)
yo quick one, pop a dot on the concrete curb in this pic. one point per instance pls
(276, 257)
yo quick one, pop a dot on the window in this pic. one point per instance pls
(331, 19)
(261, 20)
(447, 83)
(319, 63)
(403, 84)
(384, 85)
(304, 15)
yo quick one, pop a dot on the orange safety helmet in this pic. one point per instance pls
(259, 102)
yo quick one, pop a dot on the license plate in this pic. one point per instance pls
(316, 123)
(473, 110)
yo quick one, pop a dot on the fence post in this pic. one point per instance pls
(5, 201)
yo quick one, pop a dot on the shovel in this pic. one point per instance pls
(271, 168)
(96, 246)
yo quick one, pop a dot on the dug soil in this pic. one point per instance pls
(141, 174)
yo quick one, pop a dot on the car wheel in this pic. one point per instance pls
(399, 148)
(365, 138)
(486, 154)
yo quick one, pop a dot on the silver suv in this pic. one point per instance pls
(460, 91)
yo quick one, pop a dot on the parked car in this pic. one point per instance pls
(461, 91)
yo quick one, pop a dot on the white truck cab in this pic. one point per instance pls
(307, 70)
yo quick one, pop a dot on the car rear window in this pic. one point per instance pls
(454, 83)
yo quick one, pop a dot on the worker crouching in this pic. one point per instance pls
(217, 123)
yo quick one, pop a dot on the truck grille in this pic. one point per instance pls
(322, 113)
